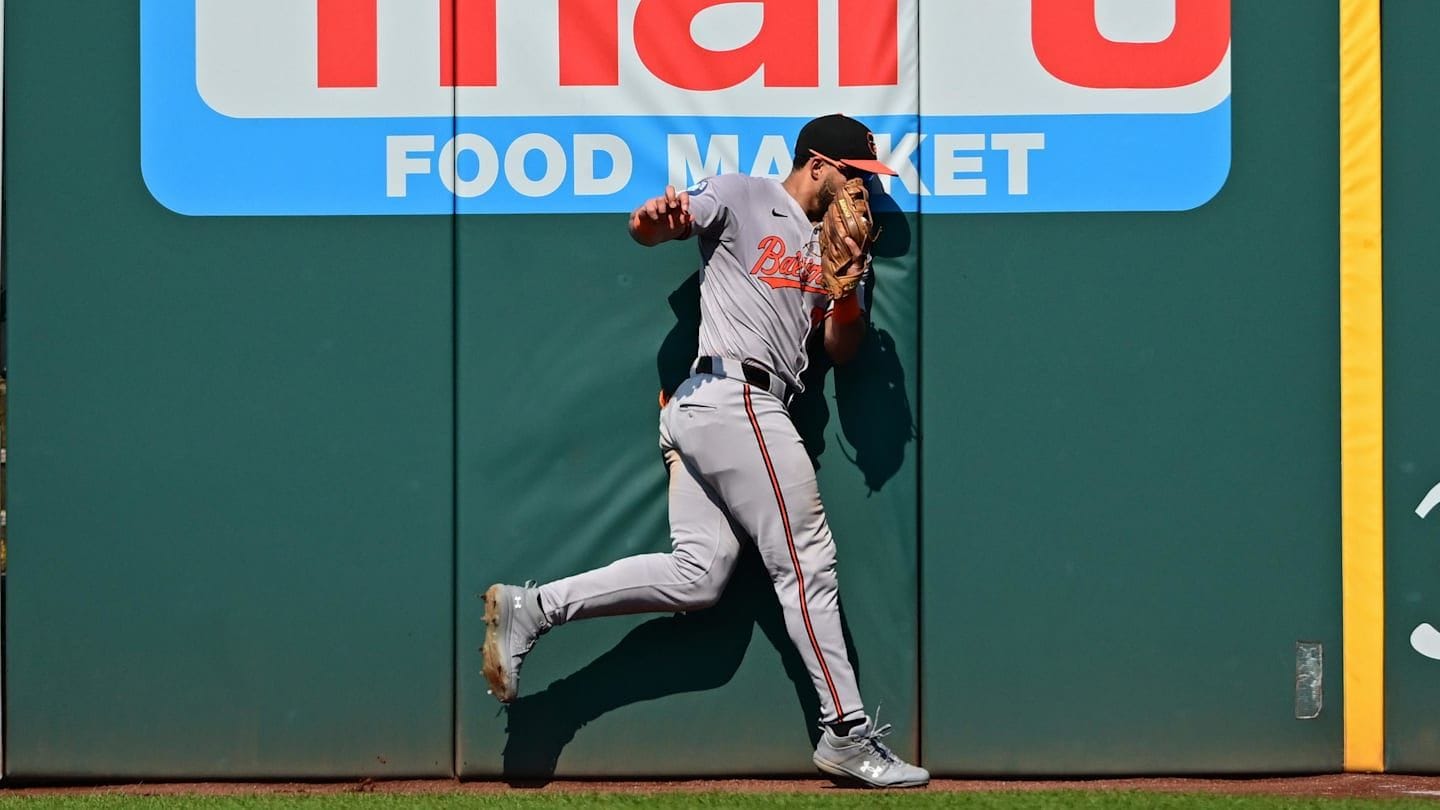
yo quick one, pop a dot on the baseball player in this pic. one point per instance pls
(736, 464)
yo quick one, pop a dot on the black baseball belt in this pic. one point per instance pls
(746, 370)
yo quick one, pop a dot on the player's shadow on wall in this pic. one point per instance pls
(684, 652)
(873, 408)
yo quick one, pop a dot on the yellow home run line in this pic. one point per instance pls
(1361, 388)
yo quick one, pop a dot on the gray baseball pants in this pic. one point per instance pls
(733, 455)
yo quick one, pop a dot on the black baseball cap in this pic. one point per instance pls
(843, 140)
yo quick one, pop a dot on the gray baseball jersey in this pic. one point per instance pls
(737, 465)
(760, 288)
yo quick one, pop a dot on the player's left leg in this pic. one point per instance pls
(691, 577)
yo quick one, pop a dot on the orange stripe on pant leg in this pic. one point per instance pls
(794, 557)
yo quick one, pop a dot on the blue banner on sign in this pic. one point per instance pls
(200, 162)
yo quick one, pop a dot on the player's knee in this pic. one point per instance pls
(705, 594)
(704, 580)
(817, 566)
(822, 578)
(699, 592)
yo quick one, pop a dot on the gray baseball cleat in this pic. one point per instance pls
(513, 620)
(862, 757)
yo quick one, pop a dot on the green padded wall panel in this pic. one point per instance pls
(565, 338)
(1412, 393)
(1130, 472)
(231, 457)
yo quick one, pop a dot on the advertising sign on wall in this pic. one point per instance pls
(291, 107)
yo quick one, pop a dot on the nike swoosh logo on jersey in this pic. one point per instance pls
(776, 212)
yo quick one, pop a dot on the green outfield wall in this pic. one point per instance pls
(233, 479)
(1084, 477)
(1412, 547)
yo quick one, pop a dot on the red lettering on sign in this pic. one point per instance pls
(346, 43)
(1069, 44)
(787, 46)
(467, 43)
(589, 43)
(870, 32)
(786, 49)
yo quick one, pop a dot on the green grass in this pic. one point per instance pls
(1085, 800)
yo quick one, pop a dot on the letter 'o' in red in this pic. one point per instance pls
(1069, 45)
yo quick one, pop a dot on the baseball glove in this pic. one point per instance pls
(848, 215)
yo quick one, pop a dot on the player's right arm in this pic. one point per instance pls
(678, 214)
(660, 219)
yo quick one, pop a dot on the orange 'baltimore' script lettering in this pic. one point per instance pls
(779, 270)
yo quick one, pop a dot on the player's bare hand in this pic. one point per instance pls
(858, 261)
(661, 218)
